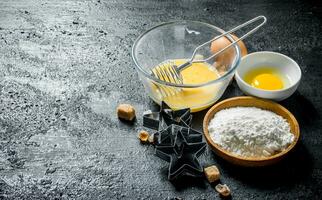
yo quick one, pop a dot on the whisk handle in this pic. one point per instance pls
(192, 60)
(228, 32)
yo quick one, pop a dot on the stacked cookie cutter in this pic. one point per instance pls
(175, 141)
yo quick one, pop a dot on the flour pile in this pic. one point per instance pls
(250, 131)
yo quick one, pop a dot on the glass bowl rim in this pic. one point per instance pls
(147, 75)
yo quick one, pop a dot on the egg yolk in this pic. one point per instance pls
(264, 78)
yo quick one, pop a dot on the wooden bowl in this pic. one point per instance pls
(246, 101)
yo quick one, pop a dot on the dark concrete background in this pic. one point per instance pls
(65, 65)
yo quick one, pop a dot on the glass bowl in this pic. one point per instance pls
(177, 40)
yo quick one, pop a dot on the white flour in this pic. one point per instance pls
(250, 131)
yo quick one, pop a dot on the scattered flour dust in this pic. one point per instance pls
(250, 131)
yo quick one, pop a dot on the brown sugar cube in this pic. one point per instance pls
(126, 112)
(223, 190)
(143, 136)
(212, 173)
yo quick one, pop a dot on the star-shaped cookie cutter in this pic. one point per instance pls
(165, 117)
(169, 135)
(181, 148)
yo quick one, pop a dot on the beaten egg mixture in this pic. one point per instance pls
(195, 98)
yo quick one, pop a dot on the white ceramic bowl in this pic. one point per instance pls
(284, 64)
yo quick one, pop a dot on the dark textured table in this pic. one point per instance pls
(66, 65)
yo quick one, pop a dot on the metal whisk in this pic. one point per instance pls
(169, 72)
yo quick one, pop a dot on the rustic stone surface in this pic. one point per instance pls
(66, 65)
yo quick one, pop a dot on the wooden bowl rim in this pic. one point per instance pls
(209, 115)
